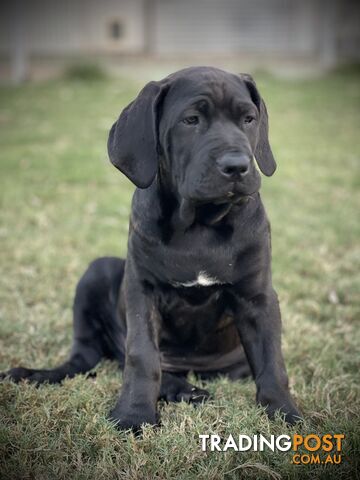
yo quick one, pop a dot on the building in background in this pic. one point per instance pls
(33, 31)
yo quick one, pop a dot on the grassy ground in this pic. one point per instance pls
(63, 204)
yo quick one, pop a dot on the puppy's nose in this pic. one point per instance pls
(234, 165)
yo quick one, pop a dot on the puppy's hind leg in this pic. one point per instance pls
(97, 332)
(175, 388)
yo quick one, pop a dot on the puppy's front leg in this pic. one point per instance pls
(142, 373)
(259, 325)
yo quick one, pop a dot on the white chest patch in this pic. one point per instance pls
(203, 279)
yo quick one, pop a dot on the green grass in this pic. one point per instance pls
(63, 204)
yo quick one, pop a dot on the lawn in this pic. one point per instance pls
(63, 204)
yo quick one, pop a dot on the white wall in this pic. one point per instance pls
(247, 26)
(74, 26)
(284, 27)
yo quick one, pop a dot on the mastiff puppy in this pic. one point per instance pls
(195, 291)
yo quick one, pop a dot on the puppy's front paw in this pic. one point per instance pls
(283, 403)
(288, 410)
(133, 420)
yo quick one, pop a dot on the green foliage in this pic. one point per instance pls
(63, 204)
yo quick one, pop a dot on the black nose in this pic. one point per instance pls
(233, 165)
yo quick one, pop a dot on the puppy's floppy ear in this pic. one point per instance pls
(133, 139)
(263, 153)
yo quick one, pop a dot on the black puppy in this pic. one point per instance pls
(195, 291)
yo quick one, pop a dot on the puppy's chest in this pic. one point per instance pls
(199, 263)
(200, 258)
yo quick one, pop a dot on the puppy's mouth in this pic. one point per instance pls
(210, 206)
(210, 212)
(233, 198)
(233, 195)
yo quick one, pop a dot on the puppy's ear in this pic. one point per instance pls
(133, 140)
(263, 153)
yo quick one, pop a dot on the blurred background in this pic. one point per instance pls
(39, 38)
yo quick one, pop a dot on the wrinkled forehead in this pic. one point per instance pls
(219, 88)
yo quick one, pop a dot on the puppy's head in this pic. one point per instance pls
(202, 128)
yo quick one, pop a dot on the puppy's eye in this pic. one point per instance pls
(191, 120)
(249, 119)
